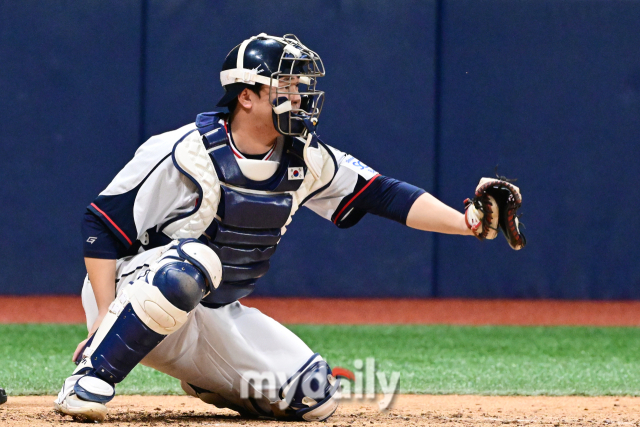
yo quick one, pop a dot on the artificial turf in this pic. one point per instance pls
(499, 360)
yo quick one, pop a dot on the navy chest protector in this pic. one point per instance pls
(248, 224)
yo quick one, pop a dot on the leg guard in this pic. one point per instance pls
(310, 394)
(148, 309)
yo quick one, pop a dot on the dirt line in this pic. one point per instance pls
(68, 309)
(413, 410)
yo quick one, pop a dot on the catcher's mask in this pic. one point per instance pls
(277, 62)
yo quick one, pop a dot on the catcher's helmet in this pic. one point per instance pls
(269, 60)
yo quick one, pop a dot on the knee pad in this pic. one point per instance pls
(182, 284)
(310, 394)
(193, 252)
(175, 285)
(152, 308)
(203, 258)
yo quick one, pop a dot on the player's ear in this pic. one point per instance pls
(244, 99)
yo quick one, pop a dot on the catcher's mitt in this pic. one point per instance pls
(495, 204)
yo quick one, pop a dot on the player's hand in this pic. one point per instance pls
(77, 355)
(481, 217)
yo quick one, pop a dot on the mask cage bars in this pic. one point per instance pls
(298, 61)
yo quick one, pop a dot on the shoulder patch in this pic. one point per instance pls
(354, 164)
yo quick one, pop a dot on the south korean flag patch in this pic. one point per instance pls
(296, 173)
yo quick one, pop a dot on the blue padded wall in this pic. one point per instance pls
(550, 92)
(69, 74)
(373, 52)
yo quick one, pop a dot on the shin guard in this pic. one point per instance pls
(150, 308)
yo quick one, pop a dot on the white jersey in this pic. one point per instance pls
(150, 191)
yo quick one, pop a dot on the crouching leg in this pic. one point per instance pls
(311, 394)
(144, 313)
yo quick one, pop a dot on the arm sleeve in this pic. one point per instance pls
(382, 196)
(357, 189)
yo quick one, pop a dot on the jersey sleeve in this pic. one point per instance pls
(357, 189)
(100, 242)
(146, 193)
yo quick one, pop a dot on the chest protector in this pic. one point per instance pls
(251, 215)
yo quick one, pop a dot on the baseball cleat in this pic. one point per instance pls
(82, 409)
(84, 397)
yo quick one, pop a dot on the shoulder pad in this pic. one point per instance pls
(192, 160)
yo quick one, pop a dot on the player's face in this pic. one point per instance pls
(263, 105)
(288, 87)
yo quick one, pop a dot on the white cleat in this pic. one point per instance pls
(68, 402)
(82, 409)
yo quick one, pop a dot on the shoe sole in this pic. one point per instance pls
(89, 411)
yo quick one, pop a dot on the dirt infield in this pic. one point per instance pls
(68, 309)
(36, 411)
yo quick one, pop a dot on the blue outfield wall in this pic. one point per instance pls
(550, 92)
(363, 115)
(69, 107)
(436, 93)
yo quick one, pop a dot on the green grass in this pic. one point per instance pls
(35, 359)
(504, 360)
(500, 360)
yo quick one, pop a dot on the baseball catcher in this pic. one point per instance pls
(188, 226)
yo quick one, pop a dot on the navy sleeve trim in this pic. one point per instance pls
(382, 196)
(96, 209)
(98, 239)
(339, 216)
(116, 211)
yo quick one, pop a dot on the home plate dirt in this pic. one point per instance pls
(407, 410)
